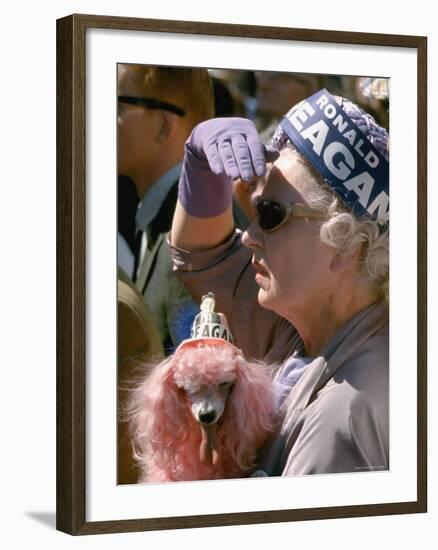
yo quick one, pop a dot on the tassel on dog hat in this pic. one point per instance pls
(209, 327)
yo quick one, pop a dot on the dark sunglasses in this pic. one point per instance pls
(272, 214)
(151, 103)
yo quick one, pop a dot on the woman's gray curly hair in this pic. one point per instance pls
(341, 229)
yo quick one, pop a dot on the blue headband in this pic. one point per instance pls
(350, 164)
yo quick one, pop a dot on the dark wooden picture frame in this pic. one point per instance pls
(71, 274)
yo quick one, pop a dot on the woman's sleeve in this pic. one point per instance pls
(338, 437)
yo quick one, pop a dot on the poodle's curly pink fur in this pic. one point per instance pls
(166, 436)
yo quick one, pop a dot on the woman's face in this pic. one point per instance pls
(292, 267)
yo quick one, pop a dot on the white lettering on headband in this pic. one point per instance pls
(351, 165)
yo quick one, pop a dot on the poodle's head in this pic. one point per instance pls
(225, 394)
(206, 375)
(208, 397)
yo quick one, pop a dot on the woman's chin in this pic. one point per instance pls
(264, 297)
(262, 281)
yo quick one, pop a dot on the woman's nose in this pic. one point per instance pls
(251, 237)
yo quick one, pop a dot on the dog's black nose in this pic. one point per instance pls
(207, 418)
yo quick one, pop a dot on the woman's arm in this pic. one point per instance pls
(196, 234)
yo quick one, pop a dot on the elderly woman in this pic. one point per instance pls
(306, 285)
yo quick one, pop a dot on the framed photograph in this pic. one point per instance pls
(98, 488)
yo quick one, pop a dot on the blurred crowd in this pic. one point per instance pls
(265, 97)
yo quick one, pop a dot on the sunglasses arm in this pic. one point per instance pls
(303, 211)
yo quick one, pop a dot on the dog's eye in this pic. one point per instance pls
(224, 385)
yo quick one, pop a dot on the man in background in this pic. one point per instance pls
(275, 93)
(157, 110)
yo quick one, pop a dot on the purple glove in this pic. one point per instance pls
(218, 151)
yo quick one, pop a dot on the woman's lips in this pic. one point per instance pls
(261, 276)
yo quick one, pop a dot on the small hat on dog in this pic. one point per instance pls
(209, 327)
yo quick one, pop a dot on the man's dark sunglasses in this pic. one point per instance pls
(151, 103)
(272, 214)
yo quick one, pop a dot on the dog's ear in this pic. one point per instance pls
(157, 414)
(250, 413)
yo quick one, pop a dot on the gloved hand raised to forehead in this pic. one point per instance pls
(231, 146)
(218, 151)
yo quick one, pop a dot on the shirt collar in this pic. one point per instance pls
(151, 203)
